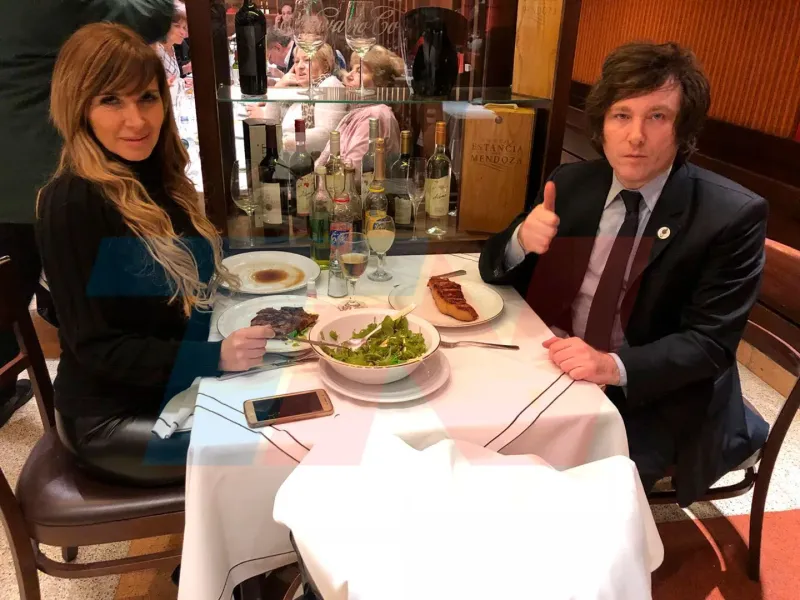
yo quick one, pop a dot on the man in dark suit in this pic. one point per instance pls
(647, 266)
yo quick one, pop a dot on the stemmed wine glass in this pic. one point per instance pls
(310, 28)
(352, 253)
(359, 33)
(381, 237)
(417, 169)
(247, 200)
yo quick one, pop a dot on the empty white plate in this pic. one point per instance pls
(486, 302)
(426, 379)
(266, 272)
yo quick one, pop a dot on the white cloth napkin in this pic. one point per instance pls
(459, 521)
(178, 414)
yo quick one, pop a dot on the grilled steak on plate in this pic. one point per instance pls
(284, 321)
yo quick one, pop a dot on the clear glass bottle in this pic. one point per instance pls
(437, 185)
(399, 200)
(320, 222)
(356, 206)
(376, 204)
(341, 222)
(334, 169)
(368, 160)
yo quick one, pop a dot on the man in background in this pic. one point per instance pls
(29, 146)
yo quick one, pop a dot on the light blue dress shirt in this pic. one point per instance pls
(610, 222)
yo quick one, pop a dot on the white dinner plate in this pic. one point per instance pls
(239, 316)
(486, 302)
(425, 380)
(284, 271)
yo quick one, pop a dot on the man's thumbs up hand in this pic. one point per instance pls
(541, 225)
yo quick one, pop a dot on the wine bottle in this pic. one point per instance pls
(376, 204)
(301, 166)
(251, 31)
(435, 67)
(399, 200)
(320, 222)
(368, 160)
(437, 184)
(334, 169)
(355, 199)
(273, 189)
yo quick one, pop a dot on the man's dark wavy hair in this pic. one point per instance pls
(639, 68)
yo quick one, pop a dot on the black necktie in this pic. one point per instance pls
(603, 312)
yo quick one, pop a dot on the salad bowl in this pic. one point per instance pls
(388, 356)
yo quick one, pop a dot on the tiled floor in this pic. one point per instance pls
(19, 435)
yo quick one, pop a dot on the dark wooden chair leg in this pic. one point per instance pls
(69, 554)
(19, 543)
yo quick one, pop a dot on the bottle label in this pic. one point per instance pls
(402, 210)
(247, 51)
(366, 181)
(305, 193)
(338, 230)
(371, 217)
(320, 233)
(335, 184)
(272, 203)
(437, 196)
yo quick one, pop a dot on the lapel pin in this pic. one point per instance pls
(663, 233)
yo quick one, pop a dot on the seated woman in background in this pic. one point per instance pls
(177, 33)
(381, 69)
(131, 261)
(326, 115)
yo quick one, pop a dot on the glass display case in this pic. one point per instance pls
(496, 73)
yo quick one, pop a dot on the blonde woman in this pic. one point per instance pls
(381, 69)
(131, 261)
(326, 116)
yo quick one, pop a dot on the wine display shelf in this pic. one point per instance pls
(478, 96)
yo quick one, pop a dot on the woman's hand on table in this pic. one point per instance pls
(582, 362)
(244, 348)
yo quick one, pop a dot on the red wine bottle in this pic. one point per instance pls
(274, 192)
(251, 31)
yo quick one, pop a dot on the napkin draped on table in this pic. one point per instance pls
(459, 521)
(178, 414)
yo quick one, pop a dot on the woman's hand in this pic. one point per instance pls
(244, 348)
(288, 80)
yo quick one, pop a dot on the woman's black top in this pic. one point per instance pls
(125, 350)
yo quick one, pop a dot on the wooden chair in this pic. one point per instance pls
(55, 503)
(758, 468)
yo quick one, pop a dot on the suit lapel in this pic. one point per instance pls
(666, 221)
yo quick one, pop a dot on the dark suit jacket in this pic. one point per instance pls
(683, 314)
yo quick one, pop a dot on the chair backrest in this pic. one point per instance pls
(787, 357)
(14, 316)
(780, 286)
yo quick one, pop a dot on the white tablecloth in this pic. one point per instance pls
(510, 402)
(459, 521)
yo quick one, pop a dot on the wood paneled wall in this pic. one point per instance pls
(750, 50)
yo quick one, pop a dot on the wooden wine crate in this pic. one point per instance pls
(494, 169)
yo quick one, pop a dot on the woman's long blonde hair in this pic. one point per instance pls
(100, 59)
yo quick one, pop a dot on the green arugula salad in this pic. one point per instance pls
(393, 345)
